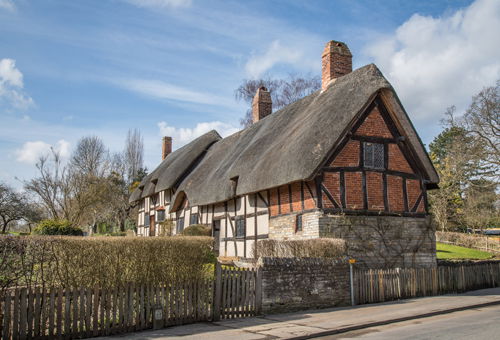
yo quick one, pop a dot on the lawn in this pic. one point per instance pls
(448, 251)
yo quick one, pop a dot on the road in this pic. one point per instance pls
(477, 324)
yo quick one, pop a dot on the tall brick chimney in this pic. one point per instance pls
(166, 147)
(336, 61)
(262, 104)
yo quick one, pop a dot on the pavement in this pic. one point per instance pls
(324, 322)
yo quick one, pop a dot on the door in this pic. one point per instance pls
(216, 235)
(152, 227)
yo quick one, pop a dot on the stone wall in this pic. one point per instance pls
(283, 227)
(374, 241)
(384, 241)
(292, 284)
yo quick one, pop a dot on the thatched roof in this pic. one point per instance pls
(174, 166)
(291, 144)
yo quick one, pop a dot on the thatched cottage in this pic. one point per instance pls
(343, 162)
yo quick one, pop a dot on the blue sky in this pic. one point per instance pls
(170, 67)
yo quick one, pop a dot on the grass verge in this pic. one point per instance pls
(449, 251)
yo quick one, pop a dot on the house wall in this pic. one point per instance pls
(383, 241)
(347, 185)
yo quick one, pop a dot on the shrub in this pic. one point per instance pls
(104, 261)
(197, 230)
(57, 227)
(320, 247)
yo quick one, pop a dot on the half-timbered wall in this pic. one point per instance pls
(389, 182)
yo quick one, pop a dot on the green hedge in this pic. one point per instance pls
(57, 227)
(197, 230)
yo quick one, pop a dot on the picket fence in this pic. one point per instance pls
(379, 285)
(59, 313)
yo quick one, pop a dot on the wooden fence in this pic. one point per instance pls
(378, 285)
(238, 293)
(60, 313)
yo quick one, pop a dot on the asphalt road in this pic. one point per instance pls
(472, 324)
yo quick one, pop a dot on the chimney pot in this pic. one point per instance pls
(166, 147)
(336, 61)
(262, 104)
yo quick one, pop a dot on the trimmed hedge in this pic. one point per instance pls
(57, 227)
(319, 247)
(197, 230)
(104, 261)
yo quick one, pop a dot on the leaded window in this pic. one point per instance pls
(240, 227)
(374, 155)
(160, 215)
(193, 219)
(298, 223)
(180, 225)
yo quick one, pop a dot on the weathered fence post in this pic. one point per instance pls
(217, 292)
(258, 291)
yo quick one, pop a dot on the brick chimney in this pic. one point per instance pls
(336, 61)
(262, 104)
(166, 147)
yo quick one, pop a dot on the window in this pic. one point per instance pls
(298, 223)
(374, 155)
(154, 199)
(180, 225)
(240, 227)
(160, 215)
(193, 219)
(146, 220)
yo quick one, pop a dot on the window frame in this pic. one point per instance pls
(179, 225)
(191, 218)
(240, 226)
(299, 226)
(147, 220)
(160, 215)
(373, 146)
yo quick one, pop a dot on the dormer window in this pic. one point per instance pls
(374, 155)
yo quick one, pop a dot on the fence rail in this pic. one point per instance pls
(82, 313)
(379, 285)
(59, 313)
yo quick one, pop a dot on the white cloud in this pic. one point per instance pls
(181, 136)
(161, 3)
(275, 53)
(434, 63)
(7, 4)
(31, 151)
(11, 86)
(163, 90)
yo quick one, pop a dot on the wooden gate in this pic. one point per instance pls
(238, 292)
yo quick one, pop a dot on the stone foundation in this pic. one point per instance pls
(374, 241)
(293, 284)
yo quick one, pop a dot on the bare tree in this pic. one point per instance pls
(49, 185)
(90, 156)
(13, 206)
(283, 91)
(133, 154)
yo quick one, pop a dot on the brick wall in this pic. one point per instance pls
(349, 156)
(373, 125)
(375, 190)
(293, 284)
(280, 198)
